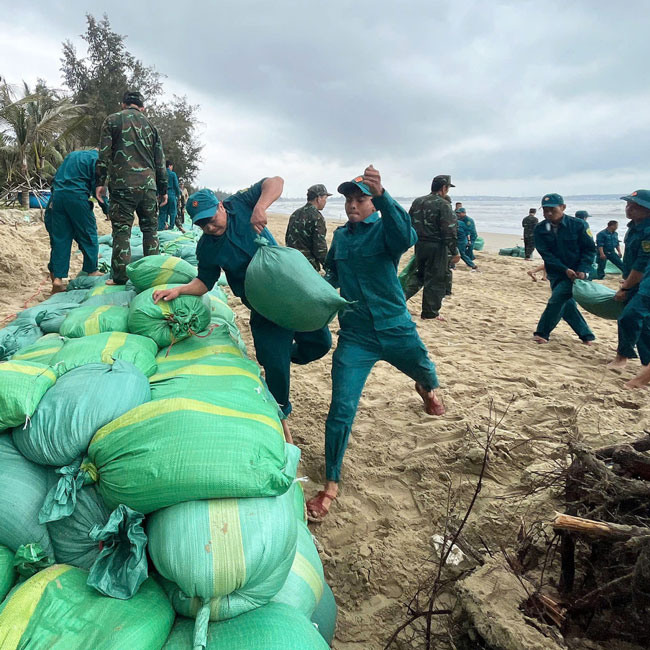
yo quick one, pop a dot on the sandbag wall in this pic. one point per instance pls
(132, 426)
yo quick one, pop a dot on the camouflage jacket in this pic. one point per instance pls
(434, 220)
(306, 232)
(131, 153)
(528, 223)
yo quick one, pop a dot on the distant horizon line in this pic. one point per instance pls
(468, 197)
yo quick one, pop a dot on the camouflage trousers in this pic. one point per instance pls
(529, 246)
(123, 204)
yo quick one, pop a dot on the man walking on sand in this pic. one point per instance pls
(230, 228)
(362, 261)
(131, 157)
(528, 223)
(568, 253)
(437, 230)
(634, 322)
(168, 212)
(69, 216)
(306, 230)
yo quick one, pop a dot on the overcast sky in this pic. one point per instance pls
(515, 98)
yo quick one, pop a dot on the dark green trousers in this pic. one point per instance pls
(124, 203)
(432, 262)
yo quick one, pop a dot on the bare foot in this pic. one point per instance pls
(441, 318)
(95, 273)
(432, 403)
(57, 285)
(111, 283)
(634, 384)
(539, 339)
(532, 275)
(618, 363)
(287, 433)
(587, 342)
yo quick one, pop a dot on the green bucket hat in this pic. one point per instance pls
(552, 200)
(349, 186)
(642, 197)
(202, 205)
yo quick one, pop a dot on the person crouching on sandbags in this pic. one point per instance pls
(362, 261)
(230, 228)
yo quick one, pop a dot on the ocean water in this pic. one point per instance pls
(495, 214)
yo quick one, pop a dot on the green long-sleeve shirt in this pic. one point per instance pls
(434, 220)
(306, 232)
(131, 153)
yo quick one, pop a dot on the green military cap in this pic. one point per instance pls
(133, 97)
(552, 200)
(317, 190)
(582, 214)
(642, 197)
(461, 211)
(445, 179)
(349, 186)
(202, 205)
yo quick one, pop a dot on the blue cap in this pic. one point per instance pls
(552, 200)
(349, 186)
(202, 205)
(642, 197)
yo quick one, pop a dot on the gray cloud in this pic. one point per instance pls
(502, 95)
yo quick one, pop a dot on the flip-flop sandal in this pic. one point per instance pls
(316, 504)
(430, 407)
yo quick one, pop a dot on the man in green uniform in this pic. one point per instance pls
(634, 322)
(437, 231)
(69, 216)
(528, 223)
(568, 252)
(167, 212)
(306, 230)
(473, 234)
(182, 202)
(582, 214)
(465, 229)
(230, 228)
(131, 157)
(609, 248)
(363, 261)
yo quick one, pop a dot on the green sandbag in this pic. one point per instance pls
(50, 321)
(284, 287)
(111, 545)
(479, 244)
(85, 281)
(273, 627)
(518, 251)
(506, 251)
(154, 270)
(57, 609)
(106, 240)
(597, 299)
(165, 236)
(22, 386)
(119, 298)
(106, 348)
(103, 289)
(304, 585)
(89, 320)
(30, 559)
(23, 487)
(42, 350)
(407, 272)
(207, 446)
(225, 556)
(219, 310)
(612, 269)
(325, 614)
(217, 372)
(7, 571)
(15, 337)
(168, 321)
(188, 253)
(70, 413)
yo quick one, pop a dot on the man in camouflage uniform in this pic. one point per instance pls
(528, 224)
(131, 156)
(436, 227)
(306, 230)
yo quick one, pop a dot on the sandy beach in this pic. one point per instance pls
(376, 541)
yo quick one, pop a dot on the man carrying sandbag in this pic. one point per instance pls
(634, 322)
(568, 252)
(362, 261)
(230, 228)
